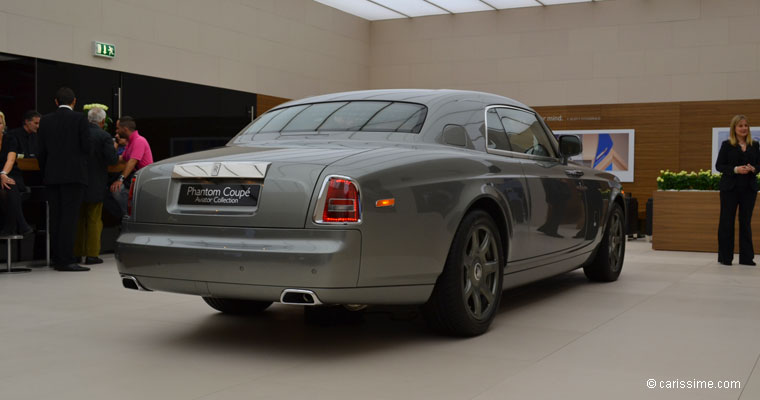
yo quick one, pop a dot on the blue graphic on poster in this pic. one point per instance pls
(603, 148)
(609, 150)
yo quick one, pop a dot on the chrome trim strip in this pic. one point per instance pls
(221, 169)
(515, 153)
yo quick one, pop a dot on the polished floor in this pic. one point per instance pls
(676, 318)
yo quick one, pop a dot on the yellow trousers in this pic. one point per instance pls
(89, 228)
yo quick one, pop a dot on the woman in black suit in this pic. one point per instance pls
(738, 161)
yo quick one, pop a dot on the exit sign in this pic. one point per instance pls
(101, 49)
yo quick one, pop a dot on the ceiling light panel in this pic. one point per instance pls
(462, 6)
(361, 8)
(412, 8)
(374, 10)
(553, 2)
(501, 4)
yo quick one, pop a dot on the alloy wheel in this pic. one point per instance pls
(615, 241)
(481, 266)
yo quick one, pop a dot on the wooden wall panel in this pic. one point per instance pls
(697, 121)
(265, 103)
(656, 142)
(675, 136)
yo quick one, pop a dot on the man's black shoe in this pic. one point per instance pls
(93, 260)
(71, 267)
(752, 263)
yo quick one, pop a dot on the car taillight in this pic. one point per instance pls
(131, 196)
(341, 201)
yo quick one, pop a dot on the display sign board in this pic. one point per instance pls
(720, 135)
(205, 194)
(608, 150)
(100, 49)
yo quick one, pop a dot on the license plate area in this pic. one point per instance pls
(214, 196)
(219, 194)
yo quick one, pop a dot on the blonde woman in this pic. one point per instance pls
(738, 162)
(10, 195)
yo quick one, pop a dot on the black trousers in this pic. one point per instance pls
(743, 198)
(13, 220)
(65, 201)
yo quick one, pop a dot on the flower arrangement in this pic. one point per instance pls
(88, 107)
(702, 180)
(108, 122)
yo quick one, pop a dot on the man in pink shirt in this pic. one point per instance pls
(137, 155)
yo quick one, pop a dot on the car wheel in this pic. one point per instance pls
(236, 306)
(467, 293)
(608, 261)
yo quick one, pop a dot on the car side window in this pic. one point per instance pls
(525, 133)
(497, 137)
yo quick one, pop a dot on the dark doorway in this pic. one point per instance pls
(16, 88)
(91, 85)
(178, 117)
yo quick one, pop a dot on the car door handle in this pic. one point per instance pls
(574, 172)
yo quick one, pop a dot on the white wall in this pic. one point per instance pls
(286, 48)
(614, 51)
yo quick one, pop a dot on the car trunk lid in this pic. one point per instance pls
(235, 186)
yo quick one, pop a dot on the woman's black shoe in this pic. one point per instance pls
(752, 263)
(724, 262)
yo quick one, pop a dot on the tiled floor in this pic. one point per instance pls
(671, 316)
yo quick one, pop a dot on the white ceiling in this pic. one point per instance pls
(374, 10)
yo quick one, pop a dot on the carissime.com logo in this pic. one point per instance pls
(692, 384)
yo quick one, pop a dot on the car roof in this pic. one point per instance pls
(422, 96)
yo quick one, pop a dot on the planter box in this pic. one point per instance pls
(688, 221)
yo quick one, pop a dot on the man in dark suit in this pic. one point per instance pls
(102, 154)
(63, 149)
(26, 135)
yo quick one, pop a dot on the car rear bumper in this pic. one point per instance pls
(252, 263)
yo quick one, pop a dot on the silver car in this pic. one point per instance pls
(441, 198)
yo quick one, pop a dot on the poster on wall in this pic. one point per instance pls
(720, 135)
(608, 150)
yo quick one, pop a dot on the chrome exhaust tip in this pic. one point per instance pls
(130, 282)
(300, 297)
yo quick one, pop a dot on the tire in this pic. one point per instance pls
(467, 293)
(236, 306)
(608, 260)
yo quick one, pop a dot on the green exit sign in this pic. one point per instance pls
(101, 49)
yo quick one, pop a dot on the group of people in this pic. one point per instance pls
(73, 152)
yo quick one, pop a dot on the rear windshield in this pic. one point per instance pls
(339, 116)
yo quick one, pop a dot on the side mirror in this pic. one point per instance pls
(570, 145)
